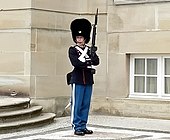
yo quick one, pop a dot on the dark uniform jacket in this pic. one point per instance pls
(81, 74)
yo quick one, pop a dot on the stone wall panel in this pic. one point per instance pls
(131, 18)
(117, 76)
(15, 40)
(15, 19)
(12, 63)
(51, 86)
(51, 19)
(163, 16)
(15, 4)
(52, 40)
(119, 2)
(43, 63)
(12, 85)
(74, 6)
(145, 42)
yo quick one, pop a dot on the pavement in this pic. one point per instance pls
(104, 127)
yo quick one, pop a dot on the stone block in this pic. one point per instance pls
(51, 40)
(49, 104)
(92, 5)
(131, 107)
(144, 42)
(101, 42)
(62, 21)
(58, 5)
(102, 25)
(102, 67)
(63, 64)
(106, 106)
(113, 43)
(74, 6)
(131, 18)
(27, 63)
(43, 19)
(163, 16)
(100, 85)
(34, 40)
(119, 2)
(146, 108)
(12, 63)
(15, 40)
(55, 105)
(117, 85)
(15, 19)
(10, 85)
(15, 4)
(61, 103)
(43, 63)
(51, 86)
(57, 20)
(32, 93)
(110, 2)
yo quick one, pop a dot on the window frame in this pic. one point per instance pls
(163, 76)
(160, 76)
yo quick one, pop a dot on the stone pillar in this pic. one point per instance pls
(15, 38)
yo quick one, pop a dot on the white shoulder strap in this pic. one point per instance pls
(83, 55)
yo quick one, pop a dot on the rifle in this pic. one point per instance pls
(93, 48)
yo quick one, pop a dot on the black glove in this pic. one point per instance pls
(93, 49)
(94, 58)
(88, 62)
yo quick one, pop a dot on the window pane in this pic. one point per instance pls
(167, 66)
(139, 66)
(167, 85)
(139, 84)
(151, 85)
(151, 66)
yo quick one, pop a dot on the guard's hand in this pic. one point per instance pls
(94, 58)
(88, 62)
(93, 49)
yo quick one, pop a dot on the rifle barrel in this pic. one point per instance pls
(94, 29)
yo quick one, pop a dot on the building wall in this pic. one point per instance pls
(134, 27)
(35, 37)
(15, 36)
(51, 38)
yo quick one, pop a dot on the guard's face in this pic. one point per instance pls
(80, 40)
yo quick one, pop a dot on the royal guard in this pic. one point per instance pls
(81, 78)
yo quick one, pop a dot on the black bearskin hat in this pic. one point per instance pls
(81, 27)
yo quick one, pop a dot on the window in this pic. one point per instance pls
(167, 75)
(150, 76)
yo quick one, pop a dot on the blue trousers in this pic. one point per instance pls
(80, 105)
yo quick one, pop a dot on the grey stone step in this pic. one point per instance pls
(38, 121)
(17, 113)
(20, 114)
(11, 103)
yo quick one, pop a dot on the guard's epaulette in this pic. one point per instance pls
(72, 45)
(76, 49)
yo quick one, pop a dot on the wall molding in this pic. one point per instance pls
(125, 2)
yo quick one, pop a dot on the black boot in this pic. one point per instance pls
(79, 133)
(86, 131)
